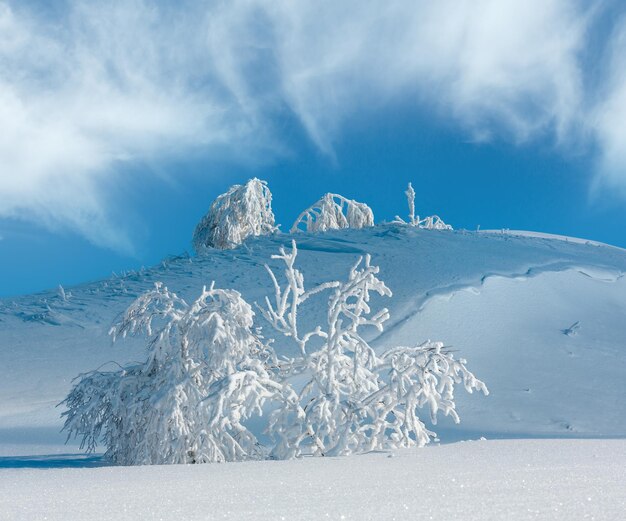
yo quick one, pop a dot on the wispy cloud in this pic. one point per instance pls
(97, 87)
(101, 84)
(491, 65)
(609, 116)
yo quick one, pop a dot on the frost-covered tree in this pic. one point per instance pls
(206, 373)
(243, 211)
(432, 222)
(355, 400)
(340, 372)
(333, 212)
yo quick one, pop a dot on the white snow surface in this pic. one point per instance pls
(491, 480)
(544, 235)
(541, 320)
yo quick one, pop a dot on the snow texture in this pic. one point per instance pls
(243, 211)
(488, 480)
(333, 212)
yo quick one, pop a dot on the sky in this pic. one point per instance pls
(120, 122)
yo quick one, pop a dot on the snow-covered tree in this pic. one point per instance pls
(243, 211)
(206, 373)
(340, 372)
(432, 222)
(332, 212)
(354, 400)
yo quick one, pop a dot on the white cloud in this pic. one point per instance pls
(495, 64)
(609, 117)
(98, 88)
(107, 83)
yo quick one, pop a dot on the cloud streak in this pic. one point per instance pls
(609, 115)
(100, 85)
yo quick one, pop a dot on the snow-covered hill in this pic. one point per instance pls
(541, 320)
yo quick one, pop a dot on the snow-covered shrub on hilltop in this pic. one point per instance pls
(432, 222)
(206, 373)
(355, 400)
(333, 212)
(243, 211)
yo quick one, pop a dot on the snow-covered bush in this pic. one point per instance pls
(417, 377)
(332, 212)
(432, 222)
(354, 400)
(206, 373)
(243, 211)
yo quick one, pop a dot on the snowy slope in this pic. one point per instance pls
(540, 320)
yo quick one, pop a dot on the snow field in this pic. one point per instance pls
(489, 480)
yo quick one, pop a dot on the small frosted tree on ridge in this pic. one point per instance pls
(243, 211)
(334, 212)
(432, 222)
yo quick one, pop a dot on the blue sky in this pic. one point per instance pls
(122, 121)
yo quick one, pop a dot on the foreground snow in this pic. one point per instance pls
(507, 479)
